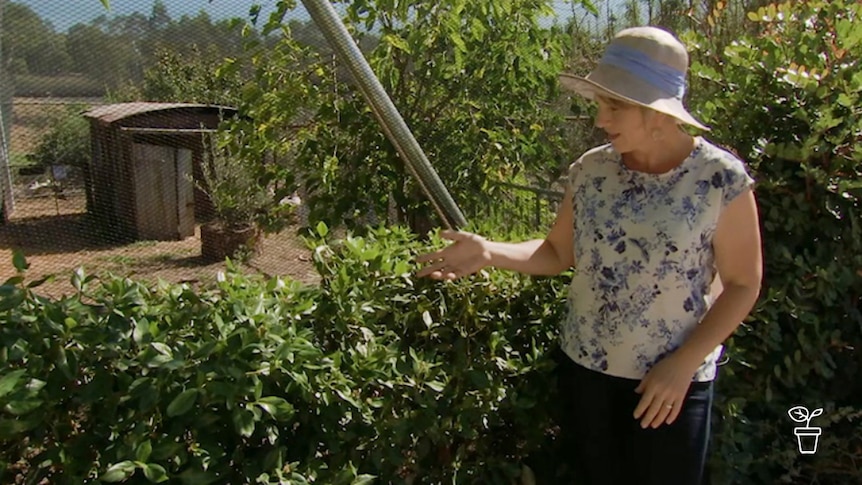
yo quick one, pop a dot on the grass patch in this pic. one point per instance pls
(19, 159)
(143, 244)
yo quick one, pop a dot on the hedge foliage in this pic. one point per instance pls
(371, 374)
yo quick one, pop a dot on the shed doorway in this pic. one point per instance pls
(165, 199)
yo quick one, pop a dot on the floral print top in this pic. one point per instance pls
(644, 261)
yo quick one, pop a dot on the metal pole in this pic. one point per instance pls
(387, 115)
(7, 201)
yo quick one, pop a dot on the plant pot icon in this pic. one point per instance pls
(807, 438)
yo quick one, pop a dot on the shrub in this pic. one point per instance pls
(371, 374)
(67, 142)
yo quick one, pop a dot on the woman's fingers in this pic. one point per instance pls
(454, 261)
(454, 235)
(448, 250)
(674, 413)
(429, 270)
(661, 414)
(424, 258)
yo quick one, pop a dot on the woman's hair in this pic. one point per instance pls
(619, 103)
(645, 111)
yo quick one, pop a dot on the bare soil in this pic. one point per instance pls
(56, 237)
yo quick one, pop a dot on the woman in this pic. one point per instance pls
(649, 222)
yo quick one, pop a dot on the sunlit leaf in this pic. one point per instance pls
(182, 403)
(8, 381)
(119, 472)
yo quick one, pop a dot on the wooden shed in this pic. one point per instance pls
(144, 157)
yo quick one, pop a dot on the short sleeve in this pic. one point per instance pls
(734, 180)
(574, 173)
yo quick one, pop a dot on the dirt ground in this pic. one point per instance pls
(56, 238)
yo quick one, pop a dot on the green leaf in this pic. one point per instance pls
(7, 382)
(845, 100)
(397, 42)
(192, 476)
(243, 421)
(182, 403)
(11, 427)
(119, 472)
(19, 261)
(106, 4)
(277, 407)
(163, 349)
(12, 283)
(426, 318)
(155, 473)
(144, 451)
(322, 230)
(590, 7)
(363, 480)
(20, 408)
(78, 279)
(436, 386)
(142, 329)
(456, 39)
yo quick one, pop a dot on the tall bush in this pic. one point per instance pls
(786, 98)
(471, 79)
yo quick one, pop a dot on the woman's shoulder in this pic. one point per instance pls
(590, 162)
(720, 157)
(600, 154)
(723, 169)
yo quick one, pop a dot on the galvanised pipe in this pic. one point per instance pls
(387, 115)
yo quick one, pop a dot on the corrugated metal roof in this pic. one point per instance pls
(110, 113)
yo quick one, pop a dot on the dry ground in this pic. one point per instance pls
(56, 238)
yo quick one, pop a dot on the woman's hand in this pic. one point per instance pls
(663, 391)
(467, 255)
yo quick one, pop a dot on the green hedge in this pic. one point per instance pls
(371, 374)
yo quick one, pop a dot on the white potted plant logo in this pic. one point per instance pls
(806, 436)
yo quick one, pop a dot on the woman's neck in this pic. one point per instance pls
(661, 156)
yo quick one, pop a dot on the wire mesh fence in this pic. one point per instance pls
(103, 113)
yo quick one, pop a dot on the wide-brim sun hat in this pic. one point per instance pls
(645, 66)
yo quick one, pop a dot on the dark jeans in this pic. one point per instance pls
(606, 444)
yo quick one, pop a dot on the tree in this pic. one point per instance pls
(159, 19)
(100, 55)
(472, 81)
(633, 13)
(188, 76)
(30, 44)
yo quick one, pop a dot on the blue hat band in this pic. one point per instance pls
(661, 76)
